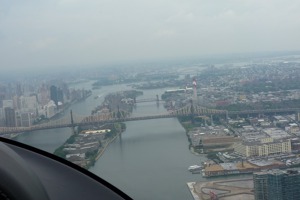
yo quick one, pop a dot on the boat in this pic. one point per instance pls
(98, 96)
(195, 168)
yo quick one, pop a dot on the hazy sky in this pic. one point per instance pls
(35, 33)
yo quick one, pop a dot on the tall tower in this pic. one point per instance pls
(43, 95)
(10, 117)
(53, 94)
(195, 89)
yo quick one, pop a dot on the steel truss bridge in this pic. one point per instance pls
(123, 116)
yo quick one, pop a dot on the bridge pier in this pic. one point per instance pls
(297, 116)
(73, 130)
(72, 123)
(226, 116)
(118, 113)
(192, 112)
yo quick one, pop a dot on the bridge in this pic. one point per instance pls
(123, 116)
(148, 100)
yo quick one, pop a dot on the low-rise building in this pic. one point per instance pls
(263, 147)
(75, 157)
(243, 167)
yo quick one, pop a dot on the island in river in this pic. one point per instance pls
(90, 141)
(87, 146)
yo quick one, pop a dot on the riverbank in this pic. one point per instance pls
(101, 151)
(103, 148)
(189, 126)
(86, 147)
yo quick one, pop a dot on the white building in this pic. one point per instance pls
(51, 109)
(263, 147)
(28, 103)
(8, 104)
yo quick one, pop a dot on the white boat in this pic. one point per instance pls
(194, 168)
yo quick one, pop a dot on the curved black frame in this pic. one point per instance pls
(67, 163)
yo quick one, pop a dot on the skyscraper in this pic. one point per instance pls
(43, 95)
(60, 95)
(53, 94)
(10, 117)
(277, 185)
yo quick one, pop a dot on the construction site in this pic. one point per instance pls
(234, 189)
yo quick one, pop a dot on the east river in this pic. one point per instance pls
(148, 161)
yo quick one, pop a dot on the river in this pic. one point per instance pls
(148, 161)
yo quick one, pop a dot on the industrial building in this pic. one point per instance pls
(263, 147)
(242, 167)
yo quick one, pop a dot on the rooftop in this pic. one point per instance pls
(213, 168)
(276, 133)
(245, 165)
(279, 172)
(228, 166)
(262, 163)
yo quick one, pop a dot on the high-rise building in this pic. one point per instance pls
(53, 94)
(28, 103)
(277, 185)
(43, 95)
(19, 91)
(26, 119)
(10, 117)
(50, 109)
(2, 117)
(7, 103)
(60, 95)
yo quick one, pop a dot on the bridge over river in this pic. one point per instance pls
(123, 116)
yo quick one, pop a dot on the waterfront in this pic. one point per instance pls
(148, 161)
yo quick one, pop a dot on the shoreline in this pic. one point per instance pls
(102, 150)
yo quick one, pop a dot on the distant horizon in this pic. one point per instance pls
(43, 35)
(204, 60)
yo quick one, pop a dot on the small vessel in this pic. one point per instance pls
(98, 96)
(195, 168)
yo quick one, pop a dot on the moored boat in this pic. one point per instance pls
(195, 168)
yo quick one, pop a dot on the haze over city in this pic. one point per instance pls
(167, 99)
(64, 33)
